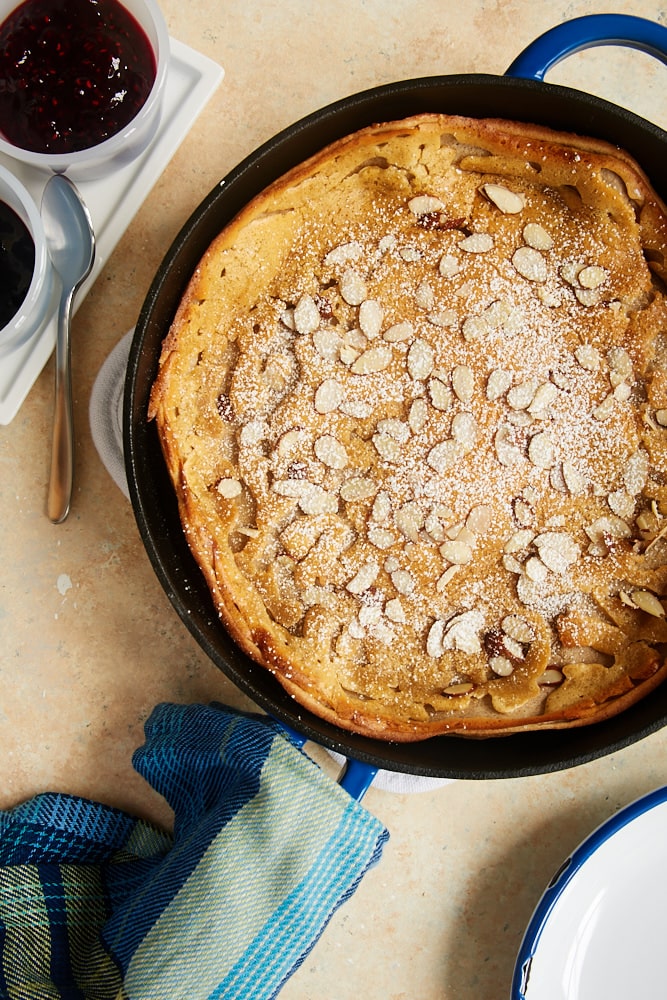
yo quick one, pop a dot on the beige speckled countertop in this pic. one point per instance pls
(88, 641)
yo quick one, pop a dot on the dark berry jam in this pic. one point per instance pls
(17, 263)
(72, 73)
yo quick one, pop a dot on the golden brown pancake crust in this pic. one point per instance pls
(413, 405)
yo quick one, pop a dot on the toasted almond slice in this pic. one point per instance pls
(440, 394)
(507, 449)
(476, 243)
(501, 666)
(479, 519)
(661, 417)
(509, 202)
(558, 550)
(344, 253)
(394, 611)
(462, 633)
(420, 360)
(648, 602)
(375, 359)
(357, 488)
(229, 488)
(635, 474)
(521, 396)
(449, 265)
(403, 581)
(445, 455)
(574, 481)
(519, 541)
(464, 429)
(535, 570)
(424, 204)
(357, 408)
(328, 396)
(352, 287)
(434, 639)
(388, 447)
(331, 452)
(306, 315)
(545, 395)
(457, 552)
(498, 383)
(621, 503)
(446, 578)
(381, 538)
(518, 628)
(418, 414)
(463, 383)
(530, 264)
(364, 578)
(424, 295)
(409, 519)
(371, 315)
(399, 332)
(537, 237)
(381, 507)
(592, 276)
(541, 450)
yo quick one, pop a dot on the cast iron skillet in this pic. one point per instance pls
(519, 95)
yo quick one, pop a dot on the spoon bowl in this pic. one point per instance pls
(71, 242)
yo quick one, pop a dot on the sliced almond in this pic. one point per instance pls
(530, 264)
(440, 394)
(462, 632)
(375, 359)
(327, 343)
(648, 602)
(621, 503)
(604, 409)
(445, 455)
(357, 488)
(518, 628)
(509, 202)
(620, 365)
(519, 541)
(592, 276)
(463, 383)
(418, 415)
(331, 452)
(403, 581)
(420, 360)
(545, 395)
(306, 315)
(229, 488)
(501, 666)
(464, 429)
(446, 578)
(558, 550)
(444, 318)
(575, 482)
(424, 296)
(328, 396)
(425, 204)
(479, 519)
(343, 254)
(410, 254)
(661, 417)
(537, 237)
(457, 552)
(541, 450)
(449, 265)
(508, 451)
(409, 519)
(498, 383)
(388, 447)
(521, 396)
(394, 611)
(352, 287)
(381, 538)
(364, 578)
(635, 474)
(357, 408)
(381, 507)
(371, 315)
(535, 570)
(399, 332)
(476, 243)
(434, 639)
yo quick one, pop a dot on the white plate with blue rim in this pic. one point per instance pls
(600, 930)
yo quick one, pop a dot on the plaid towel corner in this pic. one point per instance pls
(97, 905)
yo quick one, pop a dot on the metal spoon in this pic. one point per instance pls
(71, 243)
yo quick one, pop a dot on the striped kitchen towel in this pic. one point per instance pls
(96, 904)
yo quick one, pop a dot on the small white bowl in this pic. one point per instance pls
(38, 304)
(109, 155)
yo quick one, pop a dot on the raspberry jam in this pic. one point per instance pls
(17, 263)
(72, 73)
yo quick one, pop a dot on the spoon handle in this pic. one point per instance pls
(62, 447)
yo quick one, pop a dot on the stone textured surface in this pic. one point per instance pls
(89, 643)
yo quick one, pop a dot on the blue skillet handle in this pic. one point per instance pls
(356, 777)
(585, 33)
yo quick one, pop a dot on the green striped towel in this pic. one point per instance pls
(99, 905)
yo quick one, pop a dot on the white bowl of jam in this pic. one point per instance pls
(26, 274)
(81, 82)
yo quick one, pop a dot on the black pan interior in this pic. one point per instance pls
(151, 492)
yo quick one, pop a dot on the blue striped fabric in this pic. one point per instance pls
(97, 905)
